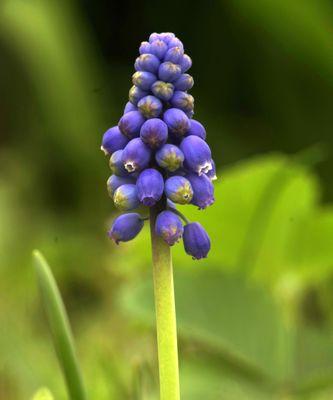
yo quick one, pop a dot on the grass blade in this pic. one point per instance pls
(60, 328)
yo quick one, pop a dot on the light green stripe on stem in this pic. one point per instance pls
(60, 328)
(165, 314)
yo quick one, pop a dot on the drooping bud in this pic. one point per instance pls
(162, 90)
(113, 140)
(175, 42)
(166, 36)
(203, 190)
(169, 227)
(126, 227)
(135, 94)
(185, 63)
(144, 48)
(136, 155)
(169, 72)
(150, 106)
(147, 62)
(114, 182)
(130, 124)
(178, 189)
(126, 197)
(116, 164)
(158, 48)
(196, 129)
(129, 107)
(182, 100)
(154, 36)
(154, 132)
(169, 157)
(150, 186)
(177, 121)
(197, 154)
(143, 80)
(174, 55)
(184, 82)
(196, 241)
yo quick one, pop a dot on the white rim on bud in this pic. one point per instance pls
(204, 168)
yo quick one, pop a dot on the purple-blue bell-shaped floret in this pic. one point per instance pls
(169, 72)
(184, 82)
(126, 197)
(185, 63)
(154, 132)
(174, 55)
(203, 190)
(147, 62)
(158, 48)
(196, 129)
(166, 36)
(126, 227)
(150, 106)
(169, 157)
(116, 164)
(177, 121)
(114, 182)
(130, 124)
(136, 155)
(129, 107)
(175, 42)
(143, 79)
(150, 186)
(197, 154)
(113, 140)
(212, 173)
(182, 100)
(154, 36)
(162, 90)
(196, 241)
(144, 48)
(169, 227)
(178, 189)
(135, 94)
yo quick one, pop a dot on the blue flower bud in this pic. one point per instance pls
(162, 90)
(169, 227)
(147, 62)
(169, 157)
(126, 227)
(154, 132)
(196, 129)
(114, 182)
(158, 48)
(174, 55)
(130, 124)
(185, 63)
(154, 36)
(143, 80)
(150, 106)
(116, 164)
(135, 94)
(169, 72)
(184, 82)
(212, 173)
(203, 190)
(129, 107)
(175, 42)
(126, 197)
(178, 189)
(113, 140)
(197, 154)
(166, 36)
(177, 121)
(182, 100)
(144, 48)
(196, 241)
(136, 155)
(150, 186)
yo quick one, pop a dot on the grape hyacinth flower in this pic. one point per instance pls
(159, 158)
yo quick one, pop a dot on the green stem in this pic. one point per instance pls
(165, 314)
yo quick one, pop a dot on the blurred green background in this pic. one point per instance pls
(255, 319)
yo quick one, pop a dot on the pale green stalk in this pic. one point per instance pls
(165, 315)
